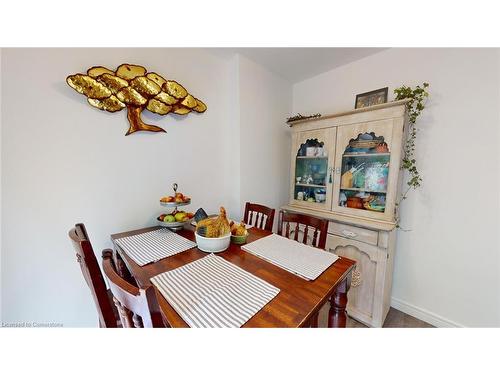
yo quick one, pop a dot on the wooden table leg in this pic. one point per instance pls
(337, 317)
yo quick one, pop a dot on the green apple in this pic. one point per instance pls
(169, 219)
(180, 216)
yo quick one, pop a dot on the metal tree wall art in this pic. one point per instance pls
(132, 88)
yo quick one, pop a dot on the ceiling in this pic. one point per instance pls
(297, 64)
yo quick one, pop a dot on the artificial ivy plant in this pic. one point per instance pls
(415, 106)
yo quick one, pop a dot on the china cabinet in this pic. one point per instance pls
(346, 168)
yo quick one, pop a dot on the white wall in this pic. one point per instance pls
(259, 164)
(447, 268)
(265, 103)
(65, 162)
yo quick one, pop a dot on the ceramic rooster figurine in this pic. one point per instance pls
(213, 227)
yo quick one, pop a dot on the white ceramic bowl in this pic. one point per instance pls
(213, 245)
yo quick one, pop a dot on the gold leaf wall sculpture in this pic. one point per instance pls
(131, 87)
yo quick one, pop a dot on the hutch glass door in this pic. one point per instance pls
(312, 168)
(362, 168)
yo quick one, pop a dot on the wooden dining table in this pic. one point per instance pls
(296, 305)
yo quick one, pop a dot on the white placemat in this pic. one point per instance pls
(303, 260)
(152, 246)
(212, 292)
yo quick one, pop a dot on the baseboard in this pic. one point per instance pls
(422, 314)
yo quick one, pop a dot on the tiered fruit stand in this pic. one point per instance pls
(174, 225)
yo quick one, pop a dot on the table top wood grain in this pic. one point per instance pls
(296, 303)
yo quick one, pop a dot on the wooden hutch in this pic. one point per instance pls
(345, 167)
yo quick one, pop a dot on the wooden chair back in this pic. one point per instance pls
(259, 216)
(92, 274)
(314, 229)
(137, 307)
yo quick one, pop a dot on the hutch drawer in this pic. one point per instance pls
(354, 233)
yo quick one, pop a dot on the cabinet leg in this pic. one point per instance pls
(337, 316)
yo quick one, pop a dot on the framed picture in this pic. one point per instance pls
(369, 98)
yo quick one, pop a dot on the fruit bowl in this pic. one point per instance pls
(176, 200)
(175, 204)
(213, 245)
(174, 225)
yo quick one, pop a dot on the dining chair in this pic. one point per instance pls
(308, 230)
(108, 316)
(137, 307)
(259, 216)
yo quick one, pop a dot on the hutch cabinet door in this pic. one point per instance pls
(364, 296)
(312, 174)
(367, 168)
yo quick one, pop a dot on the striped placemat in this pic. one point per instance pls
(212, 292)
(303, 260)
(152, 246)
